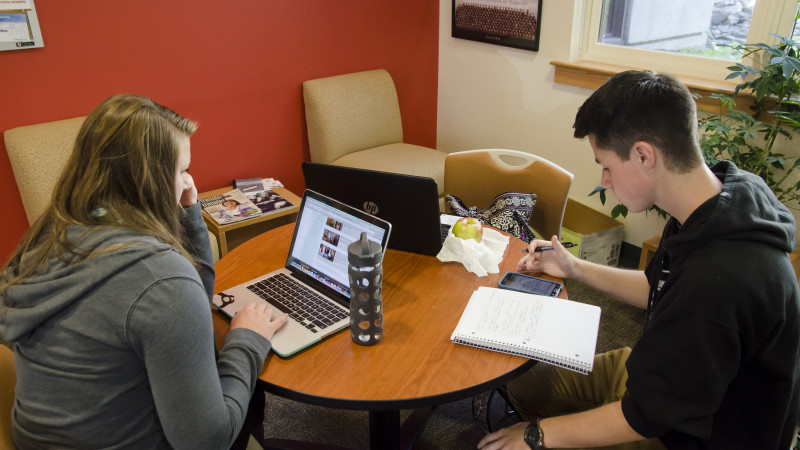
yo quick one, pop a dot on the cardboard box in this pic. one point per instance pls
(599, 237)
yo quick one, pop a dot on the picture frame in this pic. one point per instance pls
(19, 25)
(511, 23)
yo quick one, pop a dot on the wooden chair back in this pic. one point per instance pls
(478, 176)
(8, 380)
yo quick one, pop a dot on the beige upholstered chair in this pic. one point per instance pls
(354, 120)
(478, 176)
(8, 380)
(37, 154)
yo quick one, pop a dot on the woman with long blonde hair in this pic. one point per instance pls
(106, 299)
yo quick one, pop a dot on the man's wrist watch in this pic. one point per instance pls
(534, 436)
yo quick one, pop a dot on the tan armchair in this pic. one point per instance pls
(354, 120)
(478, 176)
(38, 154)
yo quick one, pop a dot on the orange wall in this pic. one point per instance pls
(235, 67)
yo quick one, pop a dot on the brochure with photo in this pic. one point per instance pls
(259, 192)
(268, 201)
(229, 207)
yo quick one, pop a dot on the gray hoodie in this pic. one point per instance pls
(117, 351)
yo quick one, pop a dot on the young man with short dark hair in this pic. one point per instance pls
(716, 365)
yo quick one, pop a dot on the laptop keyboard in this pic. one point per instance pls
(306, 307)
(445, 229)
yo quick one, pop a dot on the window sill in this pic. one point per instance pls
(590, 75)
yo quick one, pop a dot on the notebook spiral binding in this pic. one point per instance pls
(545, 357)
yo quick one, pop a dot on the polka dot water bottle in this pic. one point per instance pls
(366, 277)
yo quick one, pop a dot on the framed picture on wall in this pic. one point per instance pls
(19, 25)
(512, 23)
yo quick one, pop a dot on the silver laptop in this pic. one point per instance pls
(313, 287)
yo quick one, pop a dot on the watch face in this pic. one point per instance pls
(532, 435)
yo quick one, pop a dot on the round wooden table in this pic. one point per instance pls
(414, 366)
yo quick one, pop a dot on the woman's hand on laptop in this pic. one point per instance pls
(258, 317)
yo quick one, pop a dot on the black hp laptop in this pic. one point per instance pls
(410, 203)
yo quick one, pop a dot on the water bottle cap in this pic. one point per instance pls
(364, 252)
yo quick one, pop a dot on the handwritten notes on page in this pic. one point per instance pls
(548, 329)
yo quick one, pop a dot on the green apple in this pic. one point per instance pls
(468, 228)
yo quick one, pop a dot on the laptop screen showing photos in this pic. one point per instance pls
(324, 230)
(313, 287)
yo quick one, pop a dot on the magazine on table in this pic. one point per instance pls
(247, 185)
(229, 207)
(259, 192)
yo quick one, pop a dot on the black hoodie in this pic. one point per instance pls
(717, 363)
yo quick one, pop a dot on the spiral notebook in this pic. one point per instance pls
(547, 329)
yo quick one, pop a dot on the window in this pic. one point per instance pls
(685, 37)
(796, 29)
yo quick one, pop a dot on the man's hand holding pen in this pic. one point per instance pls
(558, 263)
(541, 249)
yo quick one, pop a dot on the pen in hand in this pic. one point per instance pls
(550, 247)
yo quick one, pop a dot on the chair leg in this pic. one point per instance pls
(253, 421)
(509, 406)
(481, 408)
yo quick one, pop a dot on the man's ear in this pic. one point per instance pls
(644, 153)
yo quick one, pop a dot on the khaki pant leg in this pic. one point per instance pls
(547, 391)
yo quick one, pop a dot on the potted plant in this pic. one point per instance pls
(749, 139)
(753, 139)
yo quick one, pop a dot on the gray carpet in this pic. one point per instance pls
(450, 425)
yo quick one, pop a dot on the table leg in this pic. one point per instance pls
(289, 444)
(385, 431)
(223, 244)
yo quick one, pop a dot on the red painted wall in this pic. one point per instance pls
(235, 67)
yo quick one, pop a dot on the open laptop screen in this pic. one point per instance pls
(324, 230)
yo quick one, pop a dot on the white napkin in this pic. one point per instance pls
(480, 258)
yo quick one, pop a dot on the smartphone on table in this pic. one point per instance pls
(529, 284)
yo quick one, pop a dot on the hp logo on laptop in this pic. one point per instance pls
(370, 207)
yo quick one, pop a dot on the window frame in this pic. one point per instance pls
(768, 15)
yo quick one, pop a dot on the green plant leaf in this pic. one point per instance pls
(794, 62)
(741, 75)
(788, 68)
(599, 190)
(618, 210)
